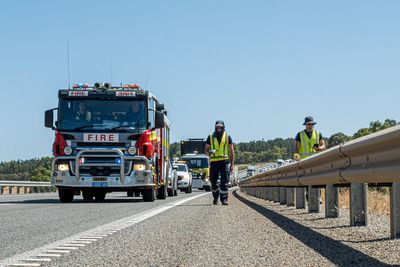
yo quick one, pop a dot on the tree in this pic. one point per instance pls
(338, 138)
(362, 132)
(40, 174)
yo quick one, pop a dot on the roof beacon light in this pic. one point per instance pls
(80, 85)
(132, 85)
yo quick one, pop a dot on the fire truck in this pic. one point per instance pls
(109, 138)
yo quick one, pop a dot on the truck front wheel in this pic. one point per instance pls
(100, 196)
(162, 192)
(87, 195)
(149, 195)
(65, 195)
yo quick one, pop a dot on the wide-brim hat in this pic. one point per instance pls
(309, 119)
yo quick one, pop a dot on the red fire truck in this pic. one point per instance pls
(109, 138)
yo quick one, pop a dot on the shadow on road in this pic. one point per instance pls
(77, 201)
(333, 250)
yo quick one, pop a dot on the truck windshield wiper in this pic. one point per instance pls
(123, 126)
(83, 127)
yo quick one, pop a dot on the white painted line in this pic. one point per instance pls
(39, 260)
(25, 264)
(70, 247)
(48, 255)
(92, 237)
(87, 239)
(106, 229)
(57, 251)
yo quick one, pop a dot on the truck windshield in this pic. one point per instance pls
(194, 163)
(96, 114)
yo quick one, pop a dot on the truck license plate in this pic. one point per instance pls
(99, 184)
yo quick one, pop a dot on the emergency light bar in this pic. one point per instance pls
(105, 86)
(80, 85)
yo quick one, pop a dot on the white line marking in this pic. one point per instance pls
(56, 251)
(39, 260)
(71, 243)
(48, 255)
(25, 264)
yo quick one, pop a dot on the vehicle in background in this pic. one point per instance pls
(251, 170)
(109, 138)
(280, 162)
(184, 177)
(192, 151)
(172, 181)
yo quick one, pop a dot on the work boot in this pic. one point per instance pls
(215, 202)
(224, 202)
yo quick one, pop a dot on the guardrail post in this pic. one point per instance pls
(276, 194)
(31, 190)
(300, 198)
(395, 210)
(265, 193)
(358, 204)
(331, 201)
(1, 190)
(290, 196)
(270, 193)
(314, 196)
(282, 195)
(18, 189)
(10, 188)
(25, 189)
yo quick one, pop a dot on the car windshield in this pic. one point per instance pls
(181, 168)
(194, 163)
(98, 114)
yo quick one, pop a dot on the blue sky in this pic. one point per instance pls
(261, 66)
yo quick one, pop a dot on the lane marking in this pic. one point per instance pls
(48, 255)
(56, 251)
(73, 242)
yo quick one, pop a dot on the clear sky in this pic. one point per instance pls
(261, 66)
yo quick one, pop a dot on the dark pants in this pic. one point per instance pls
(220, 170)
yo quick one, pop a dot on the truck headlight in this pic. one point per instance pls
(132, 150)
(68, 150)
(62, 167)
(139, 167)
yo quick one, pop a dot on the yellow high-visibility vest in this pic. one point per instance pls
(307, 144)
(221, 149)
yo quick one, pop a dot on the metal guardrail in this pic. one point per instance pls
(27, 186)
(372, 159)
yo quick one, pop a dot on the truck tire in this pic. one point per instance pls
(100, 196)
(162, 192)
(87, 195)
(149, 195)
(65, 195)
(129, 194)
(188, 190)
(137, 194)
(175, 192)
(170, 192)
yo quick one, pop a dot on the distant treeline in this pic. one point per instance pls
(270, 150)
(39, 169)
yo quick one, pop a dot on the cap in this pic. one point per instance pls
(220, 124)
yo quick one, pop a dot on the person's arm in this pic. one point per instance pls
(232, 157)
(207, 149)
(321, 145)
(297, 148)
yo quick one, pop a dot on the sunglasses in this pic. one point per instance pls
(310, 124)
(219, 127)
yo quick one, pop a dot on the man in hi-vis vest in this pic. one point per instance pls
(309, 141)
(219, 147)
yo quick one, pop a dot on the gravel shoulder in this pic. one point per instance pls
(248, 232)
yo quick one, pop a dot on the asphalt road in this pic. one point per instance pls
(184, 231)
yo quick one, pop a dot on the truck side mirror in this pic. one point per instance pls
(49, 118)
(160, 106)
(159, 120)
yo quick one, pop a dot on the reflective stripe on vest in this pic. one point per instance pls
(307, 144)
(221, 149)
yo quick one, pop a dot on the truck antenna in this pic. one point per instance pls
(147, 80)
(69, 81)
(111, 69)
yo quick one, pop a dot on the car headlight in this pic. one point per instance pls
(139, 167)
(67, 150)
(62, 167)
(132, 150)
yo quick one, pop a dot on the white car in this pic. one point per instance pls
(184, 177)
(172, 181)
